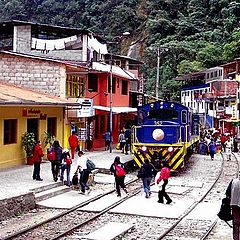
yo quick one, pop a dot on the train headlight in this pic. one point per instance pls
(170, 149)
(144, 148)
(158, 134)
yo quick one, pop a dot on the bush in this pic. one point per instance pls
(28, 143)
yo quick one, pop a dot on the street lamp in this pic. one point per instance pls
(160, 50)
(111, 91)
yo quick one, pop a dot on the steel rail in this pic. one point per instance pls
(195, 205)
(62, 214)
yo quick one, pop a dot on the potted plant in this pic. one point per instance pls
(28, 143)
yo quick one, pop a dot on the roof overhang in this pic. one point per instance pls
(116, 109)
(11, 95)
(103, 67)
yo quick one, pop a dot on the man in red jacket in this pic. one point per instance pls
(73, 143)
(164, 176)
(37, 159)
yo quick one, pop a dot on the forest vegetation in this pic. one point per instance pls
(198, 34)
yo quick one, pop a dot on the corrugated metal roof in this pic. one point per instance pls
(14, 95)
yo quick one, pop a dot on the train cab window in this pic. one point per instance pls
(184, 117)
(163, 114)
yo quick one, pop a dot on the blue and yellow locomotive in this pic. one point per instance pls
(165, 131)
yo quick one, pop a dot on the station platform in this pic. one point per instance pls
(17, 181)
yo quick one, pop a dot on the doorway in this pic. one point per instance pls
(32, 126)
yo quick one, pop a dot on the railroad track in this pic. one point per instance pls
(186, 227)
(76, 223)
(58, 222)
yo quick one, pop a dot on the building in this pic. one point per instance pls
(23, 110)
(82, 75)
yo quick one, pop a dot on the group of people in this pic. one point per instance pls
(210, 143)
(147, 172)
(124, 140)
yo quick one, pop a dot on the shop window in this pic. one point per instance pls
(52, 126)
(93, 82)
(75, 86)
(10, 131)
(113, 84)
(124, 87)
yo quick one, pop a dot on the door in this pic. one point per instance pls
(32, 126)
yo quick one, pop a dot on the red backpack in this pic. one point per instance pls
(120, 171)
(51, 155)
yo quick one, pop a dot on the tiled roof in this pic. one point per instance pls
(14, 95)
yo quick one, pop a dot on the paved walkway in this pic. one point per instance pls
(18, 180)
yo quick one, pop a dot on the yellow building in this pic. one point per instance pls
(23, 110)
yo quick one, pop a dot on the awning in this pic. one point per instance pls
(116, 109)
(116, 70)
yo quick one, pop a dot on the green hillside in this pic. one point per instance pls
(197, 33)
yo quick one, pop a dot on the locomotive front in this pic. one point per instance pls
(163, 133)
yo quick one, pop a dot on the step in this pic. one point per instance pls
(46, 187)
(51, 193)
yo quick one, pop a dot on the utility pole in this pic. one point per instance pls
(158, 65)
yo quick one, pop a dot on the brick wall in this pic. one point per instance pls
(40, 75)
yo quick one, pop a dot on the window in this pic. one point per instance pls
(52, 126)
(10, 131)
(124, 87)
(75, 86)
(93, 82)
(113, 84)
(184, 117)
(163, 114)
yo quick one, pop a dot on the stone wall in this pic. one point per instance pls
(40, 75)
(13, 206)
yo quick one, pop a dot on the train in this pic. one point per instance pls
(165, 131)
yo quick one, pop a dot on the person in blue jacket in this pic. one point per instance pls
(212, 148)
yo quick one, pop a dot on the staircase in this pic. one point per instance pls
(48, 191)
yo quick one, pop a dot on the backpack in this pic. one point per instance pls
(51, 155)
(140, 173)
(68, 160)
(120, 171)
(90, 165)
(225, 213)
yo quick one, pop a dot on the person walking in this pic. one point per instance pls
(147, 170)
(107, 138)
(229, 146)
(127, 135)
(84, 172)
(66, 165)
(37, 159)
(56, 163)
(162, 181)
(233, 192)
(73, 143)
(119, 171)
(122, 140)
(212, 149)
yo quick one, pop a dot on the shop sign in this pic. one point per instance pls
(33, 112)
(234, 112)
(85, 108)
(82, 134)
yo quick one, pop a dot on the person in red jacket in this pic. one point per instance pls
(73, 143)
(37, 159)
(163, 178)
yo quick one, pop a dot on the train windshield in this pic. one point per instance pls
(163, 114)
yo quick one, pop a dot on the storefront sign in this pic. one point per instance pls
(33, 112)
